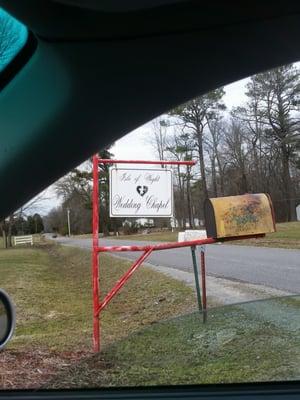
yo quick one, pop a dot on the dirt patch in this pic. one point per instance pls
(30, 369)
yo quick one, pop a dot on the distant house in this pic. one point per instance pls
(196, 221)
(147, 222)
(143, 222)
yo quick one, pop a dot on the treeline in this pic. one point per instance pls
(252, 148)
(75, 190)
(20, 225)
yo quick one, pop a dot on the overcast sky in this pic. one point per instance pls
(135, 145)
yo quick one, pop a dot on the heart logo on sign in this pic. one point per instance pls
(142, 190)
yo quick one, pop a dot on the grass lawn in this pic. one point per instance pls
(166, 236)
(51, 287)
(287, 236)
(253, 342)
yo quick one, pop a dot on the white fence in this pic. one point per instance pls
(23, 239)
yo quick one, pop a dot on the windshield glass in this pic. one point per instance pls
(13, 36)
(252, 342)
(180, 267)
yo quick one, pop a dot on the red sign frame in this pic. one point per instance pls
(98, 305)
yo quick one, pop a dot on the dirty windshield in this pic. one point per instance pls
(180, 267)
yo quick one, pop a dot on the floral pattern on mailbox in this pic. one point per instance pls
(244, 215)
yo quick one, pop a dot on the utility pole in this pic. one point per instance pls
(69, 226)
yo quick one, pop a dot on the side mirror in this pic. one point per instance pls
(7, 319)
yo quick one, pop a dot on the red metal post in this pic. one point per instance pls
(203, 278)
(154, 162)
(161, 246)
(95, 258)
(121, 282)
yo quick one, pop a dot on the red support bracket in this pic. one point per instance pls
(121, 282)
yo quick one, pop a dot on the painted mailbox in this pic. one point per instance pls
(232, 216)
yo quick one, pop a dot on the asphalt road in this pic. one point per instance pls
(277, 268)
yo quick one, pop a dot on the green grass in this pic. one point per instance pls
(287, 230)
(83, 236)
(246, 343)
(51, 287)
(287, 236)
(165, 236)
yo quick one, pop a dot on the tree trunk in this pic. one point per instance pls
(202, 165)
(181, 215)
(183, 206)
(4, 239)
(288, 186)
(189, 205)
(9, 240)
(4, 236)
(214, 176)
(244, 182)
(221, 174)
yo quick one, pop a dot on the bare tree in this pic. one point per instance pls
(271, 118)
(171, 149)
(180, 148)
(159, 137)
(196, 115)
(214, 143)
(236, 152)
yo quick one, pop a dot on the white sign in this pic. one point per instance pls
(191, 235)
(141, 192)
